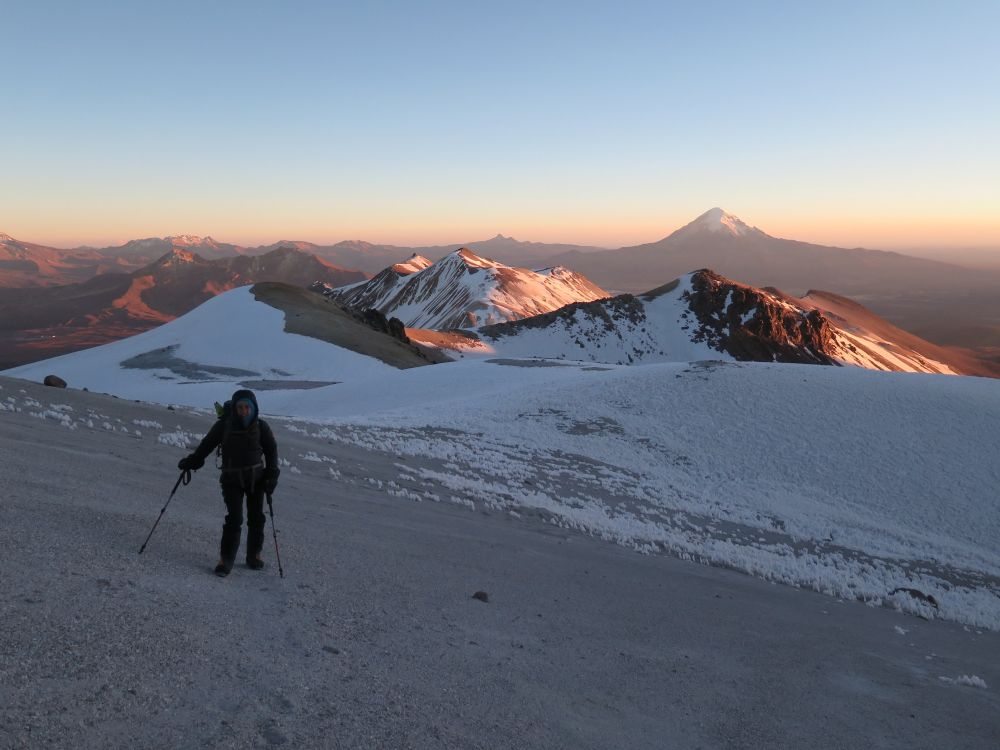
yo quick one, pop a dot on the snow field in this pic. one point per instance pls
(858, 482)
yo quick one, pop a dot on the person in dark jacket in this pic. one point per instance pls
(249, 469)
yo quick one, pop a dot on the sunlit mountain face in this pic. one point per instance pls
(465, 290)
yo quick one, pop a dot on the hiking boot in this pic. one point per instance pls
(254, 562)
(223, 567)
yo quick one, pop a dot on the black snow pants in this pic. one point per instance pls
(233, 494)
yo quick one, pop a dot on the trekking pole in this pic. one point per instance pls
(274, 532)
(184, 477)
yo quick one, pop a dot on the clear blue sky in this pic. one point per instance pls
(874, 123)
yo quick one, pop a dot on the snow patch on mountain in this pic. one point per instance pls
(413, 264)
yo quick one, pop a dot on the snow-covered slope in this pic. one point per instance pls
(872, 341)
(855, 483)
(464, 290)
(373, 637)
(376, 291)
(232, 338)
(703, 315)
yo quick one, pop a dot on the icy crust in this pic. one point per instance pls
(798, 474)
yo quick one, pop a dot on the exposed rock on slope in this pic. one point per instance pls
(368, 333)
(752, 325)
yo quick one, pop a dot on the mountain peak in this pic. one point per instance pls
(718, 220)
(187, 240)
(469, 258)
(717, 223)
(465, 290)
(5, 237)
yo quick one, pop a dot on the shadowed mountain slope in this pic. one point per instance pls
(318, 317)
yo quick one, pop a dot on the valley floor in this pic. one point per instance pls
(373, 638)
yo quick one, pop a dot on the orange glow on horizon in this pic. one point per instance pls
(848, 231)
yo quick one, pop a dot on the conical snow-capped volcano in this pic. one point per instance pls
(465, 290)
(719, 223)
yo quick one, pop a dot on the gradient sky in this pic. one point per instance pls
(850, 123)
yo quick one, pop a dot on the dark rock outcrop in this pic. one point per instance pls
(54, 381)
(752, 325)
(392, 326)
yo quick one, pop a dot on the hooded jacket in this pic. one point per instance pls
(246, 449)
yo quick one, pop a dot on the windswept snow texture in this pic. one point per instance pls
(464, 290)
(373, 638)
(850, 482)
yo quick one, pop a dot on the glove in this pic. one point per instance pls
(271, 479)
(190, 463)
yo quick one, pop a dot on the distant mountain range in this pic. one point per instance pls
(24, 264)
(723, 242)
(42, 322)
(716, 239)
(945, 303)
(465, 290)
(372, 258)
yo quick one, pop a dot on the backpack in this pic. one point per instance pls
(225, 413)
